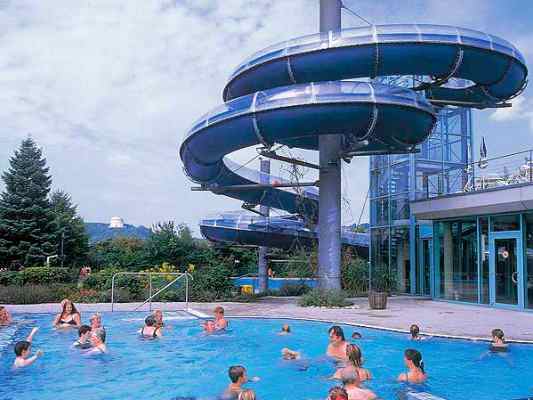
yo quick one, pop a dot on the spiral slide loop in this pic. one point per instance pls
(295, 91)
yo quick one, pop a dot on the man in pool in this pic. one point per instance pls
(238, 377)
(352, 385)
(219, 324)
(23, 351)
(337, 343)
(84, 338)
(97, 342)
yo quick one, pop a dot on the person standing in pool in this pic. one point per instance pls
(150, 329)
(413, 361)
(238, 377)
(337, 343)
(98, 343)
(352, 385)
(84, 338)
(498, 344)
(96, 322)
(219, 324)
(69, 316)
(23, 351)
(5, 317)
(354, 365)
(158, 315)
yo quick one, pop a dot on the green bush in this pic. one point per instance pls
(324, 298)
(11, 278)
(211, 283)
(293, 289)
(35, 294)
(355, 276)
(45, 275)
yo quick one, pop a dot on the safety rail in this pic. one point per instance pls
(179, 275)
(487, 173)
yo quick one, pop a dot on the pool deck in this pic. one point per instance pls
(433, 317)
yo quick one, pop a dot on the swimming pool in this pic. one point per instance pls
(185, 363)
(275, 283)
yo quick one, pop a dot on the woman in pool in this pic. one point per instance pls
(337, 343)
(5, 317)
(498, 344)
(150, 329)
(69, 316)
(354, 364)
(413, 361)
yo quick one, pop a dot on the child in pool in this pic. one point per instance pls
(84, 338)
(413, 361)
(158, 315)
(352, 385)
(5, 318)
(498, 344)
(337, 393)
(356, 335)
(415, 331)
(288, 354)
(219, 324)
(23, 351)
(238, 377)
(285, 330)
(150, 328)
(98, 343)
(354, 364)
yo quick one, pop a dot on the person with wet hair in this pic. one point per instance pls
(415, 331)
(498, 344)
(337, 343)
(5, 317)
(23, 351)
(337, 393)
(150, 328)
(356, 335)
(285, 330)
(84, 338)
(415, 365)
(238, 377)
(352, 385)
(69, 317)
(98, 343)
(354, 364)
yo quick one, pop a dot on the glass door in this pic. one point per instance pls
(425, 257)
(506, 270)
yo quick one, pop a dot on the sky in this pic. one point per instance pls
(108, 89)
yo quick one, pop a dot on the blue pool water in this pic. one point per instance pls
(187, 363)
(275, 283)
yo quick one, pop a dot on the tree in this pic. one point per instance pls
(27, 228)
(171, 244)
(119, 252)
(72, 240)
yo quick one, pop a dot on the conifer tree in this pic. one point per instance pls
(27, 228)
(73, 242)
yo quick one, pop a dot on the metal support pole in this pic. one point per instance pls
(329, 243)
(264, 210)
(150, 279)
(112, 293)
(186, 292)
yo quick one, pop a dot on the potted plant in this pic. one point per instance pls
(382, 284)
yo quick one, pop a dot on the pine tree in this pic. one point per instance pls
(71, 237)
(27, 228)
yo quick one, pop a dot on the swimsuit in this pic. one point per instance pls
(154, 334)
(71, 322)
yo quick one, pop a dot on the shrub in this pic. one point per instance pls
(211, 283)
(45, 275)
(355, 276)
(35, 294)
(293, 289)
(324, 298)
(11, 278)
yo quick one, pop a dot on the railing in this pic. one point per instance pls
(184, 275)
(498, 172)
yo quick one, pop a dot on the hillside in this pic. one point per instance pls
(99, 231)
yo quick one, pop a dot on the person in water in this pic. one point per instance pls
(288, 354)
(247, 394)
(69, 316)
(352, 385)
(354, 365)
(498, 344)
(219, 324)
(84, 338)
(5, 317)
(23, 351)
(238, 377)
(150, 328)
(415, 332)
(413, 361)
(98, 343)
(158, 315)
(96, 322)
(337, 393)
(337, 343)
(356, 335)
(285, 330)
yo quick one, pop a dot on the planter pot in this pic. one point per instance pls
(377, 300)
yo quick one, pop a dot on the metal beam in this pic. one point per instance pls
(252, 186)
(272, 154)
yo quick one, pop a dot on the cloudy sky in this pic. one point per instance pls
(109, 87)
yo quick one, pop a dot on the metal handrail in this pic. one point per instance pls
(179, 275)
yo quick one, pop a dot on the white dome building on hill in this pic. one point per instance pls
(116, 222)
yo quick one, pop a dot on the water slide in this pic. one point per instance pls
(291, 93)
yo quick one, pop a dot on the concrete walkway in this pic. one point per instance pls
(433, 317)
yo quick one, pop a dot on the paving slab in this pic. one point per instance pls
(433, 317)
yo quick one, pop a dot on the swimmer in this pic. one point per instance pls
(337, 343)
(352, 385)
(415, 330)
(219, 324)
(96, 322)
(150, 329)
(238, 377)
(416, 373)
(354, 364)
(357, 335)
(69, 316)
(285, 330)
(98, 343)
(337, 393)
(158, 315)
(84, 338)
(23, 351)
(288, 354)
(498, 344)
(247, 394)
(5, 317)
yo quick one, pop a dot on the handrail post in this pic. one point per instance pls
(186, 291)
(112, 293)
(150, 279)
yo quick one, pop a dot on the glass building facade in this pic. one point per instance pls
(398, 242)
